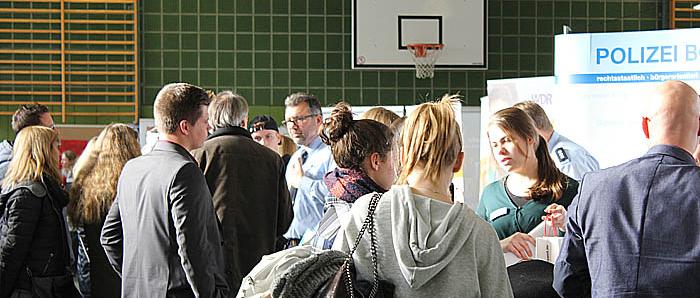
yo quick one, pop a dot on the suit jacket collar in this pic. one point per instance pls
(164, 145)
(672, 151)
(230, 131)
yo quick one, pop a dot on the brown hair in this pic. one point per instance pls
(70, 155)
(352, 141)
(33, 156)
(176, 102)
(515, 122)
(287, 145)
(86, 158)
(537, 113)
(95, 188)
(430, 139)
(380, 114)
(28, 115)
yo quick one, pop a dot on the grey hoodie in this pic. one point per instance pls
(428, 248)
(5, 157)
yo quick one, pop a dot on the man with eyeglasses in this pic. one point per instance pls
(26, 115)
(307, 166)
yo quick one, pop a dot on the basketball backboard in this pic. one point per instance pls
(381, 30)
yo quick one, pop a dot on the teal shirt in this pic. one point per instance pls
(506, 218)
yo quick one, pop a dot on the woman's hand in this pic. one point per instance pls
(519, 245)
(558, 214)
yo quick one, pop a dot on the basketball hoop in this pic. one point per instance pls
(425, 55)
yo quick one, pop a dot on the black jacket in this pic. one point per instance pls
(250, 195)
(32, 234)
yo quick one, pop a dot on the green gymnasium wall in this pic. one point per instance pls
(267, 49)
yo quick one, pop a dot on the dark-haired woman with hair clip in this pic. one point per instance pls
(534, 187)
(362, 151)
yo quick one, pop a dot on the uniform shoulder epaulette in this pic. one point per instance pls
(561, 154)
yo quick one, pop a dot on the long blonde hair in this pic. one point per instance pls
(33, 156)
(94, 189)
(88, 156)
(430, 140)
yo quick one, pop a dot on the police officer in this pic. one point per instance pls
(572, 159)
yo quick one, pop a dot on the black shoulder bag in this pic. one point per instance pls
(345, 283)
(331, 273)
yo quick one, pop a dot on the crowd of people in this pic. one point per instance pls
(219, 190)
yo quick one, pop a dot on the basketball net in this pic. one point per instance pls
(425, 55)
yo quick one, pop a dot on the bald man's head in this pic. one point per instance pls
(674, 115)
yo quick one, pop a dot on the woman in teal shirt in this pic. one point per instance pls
(533, 188)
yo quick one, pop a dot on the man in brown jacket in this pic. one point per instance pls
(248, 187)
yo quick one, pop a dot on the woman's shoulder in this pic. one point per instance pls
(363, 202)
(493, 193)
(571, 184)
(24, 188)
(570, 191)
(494, 187)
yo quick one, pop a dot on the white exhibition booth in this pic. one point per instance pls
(599, 91)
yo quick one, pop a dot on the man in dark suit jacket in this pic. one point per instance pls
(631, 230)
(161, 233)
(248, 187)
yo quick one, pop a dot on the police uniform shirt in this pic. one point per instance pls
(571, 159)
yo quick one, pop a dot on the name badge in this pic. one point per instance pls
(498, 213)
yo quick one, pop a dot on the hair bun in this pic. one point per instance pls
(338, 124)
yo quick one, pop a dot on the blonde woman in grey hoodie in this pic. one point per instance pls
(428, 245)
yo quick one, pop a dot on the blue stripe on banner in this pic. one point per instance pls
(606, 78)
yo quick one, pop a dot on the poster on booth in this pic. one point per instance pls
(605, 79)
(599, 92)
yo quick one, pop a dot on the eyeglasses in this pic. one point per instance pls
(297, 120)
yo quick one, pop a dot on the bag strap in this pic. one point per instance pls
(367, 225)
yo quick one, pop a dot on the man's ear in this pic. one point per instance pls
(458, 162)
(645, 127)
(184, 127)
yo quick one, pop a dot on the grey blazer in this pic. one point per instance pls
(161, 234)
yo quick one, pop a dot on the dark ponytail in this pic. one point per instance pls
(352, 141)
(551, 181)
